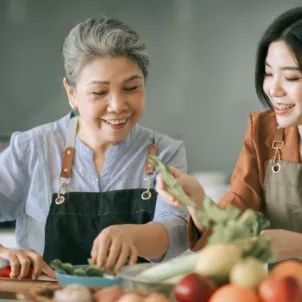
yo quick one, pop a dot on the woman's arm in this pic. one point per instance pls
(163, 238)
(245, 191)
(14, 182)
(13, 178)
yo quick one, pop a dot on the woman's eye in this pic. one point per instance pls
(293, 79)
(99, 92)
(267, 74)
(130, 88)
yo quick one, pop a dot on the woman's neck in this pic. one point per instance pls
(91, 139)
(300, 132)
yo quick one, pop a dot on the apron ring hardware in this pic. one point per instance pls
(147, 194)
(276, 168)
(277, 157)
(60, 198)
(276, 146)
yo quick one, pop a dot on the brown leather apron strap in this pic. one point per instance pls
(278, 142)
(277, 145)
(149, 167)
(69, 148)
(67, 163)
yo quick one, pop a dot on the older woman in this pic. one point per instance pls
(268, 173)
(81, 186)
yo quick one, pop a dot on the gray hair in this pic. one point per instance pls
(104, 37)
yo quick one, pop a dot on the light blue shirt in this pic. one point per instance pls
(30, 166)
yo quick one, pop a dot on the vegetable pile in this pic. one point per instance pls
(229, 226)
(231, 267)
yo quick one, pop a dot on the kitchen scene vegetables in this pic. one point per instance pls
(232, 266)
(89, 270)
(81, 293)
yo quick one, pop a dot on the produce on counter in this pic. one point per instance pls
(131, 297)
(108, 294)
(234, 293)
(233, 258)
(68, 269)
(178, 266)
(217, 260)
(194, 288)
(156, 297)
(73, 293)
(229, 225)
(117, 294)
(288, 268)
(248, 272)
(285, 289)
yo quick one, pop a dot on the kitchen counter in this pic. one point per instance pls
(9, 288)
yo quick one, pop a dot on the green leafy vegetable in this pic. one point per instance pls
(229, 224)
(67, 269)
(172, 185)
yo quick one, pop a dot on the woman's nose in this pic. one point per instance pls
(117, 104)
(276, 89)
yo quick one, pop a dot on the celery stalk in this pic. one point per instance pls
(174, 267)
(175, 279)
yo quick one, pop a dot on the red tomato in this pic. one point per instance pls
(5, 272)
(285, 289)
(194, 288)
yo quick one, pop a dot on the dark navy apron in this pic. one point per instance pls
(75, 219)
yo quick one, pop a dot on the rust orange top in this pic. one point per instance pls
(246, 190)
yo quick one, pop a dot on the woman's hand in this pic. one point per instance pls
(20, 261)
(112, 247)
(189, 184)
(191, 187)
(285, 244)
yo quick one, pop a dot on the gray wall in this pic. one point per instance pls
(201, 79)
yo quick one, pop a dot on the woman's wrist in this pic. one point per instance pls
(2, 247)
(199, 206)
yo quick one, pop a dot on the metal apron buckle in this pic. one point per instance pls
(62, 190)
(277, 156)
(146, 195)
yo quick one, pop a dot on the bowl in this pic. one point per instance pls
(105, 281)
(129, 280)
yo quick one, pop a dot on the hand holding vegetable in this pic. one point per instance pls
(177, 187)
(112, 247)
(21, 260)
(285, 244)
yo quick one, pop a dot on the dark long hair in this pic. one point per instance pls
(288, 28)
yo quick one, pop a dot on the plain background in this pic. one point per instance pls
(201, 84)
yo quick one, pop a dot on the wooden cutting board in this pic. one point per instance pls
(9, 288)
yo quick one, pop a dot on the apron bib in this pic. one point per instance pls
(75, 219)
(283, 190)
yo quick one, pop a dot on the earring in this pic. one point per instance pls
(73, 107)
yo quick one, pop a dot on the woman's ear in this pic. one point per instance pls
(70, 94)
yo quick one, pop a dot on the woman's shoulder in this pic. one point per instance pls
(43, 131)
(265, 118)
(170, 150)
(163, 141)
(48, 132)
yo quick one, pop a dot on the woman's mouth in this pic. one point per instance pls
(283, 109)
(116, 124)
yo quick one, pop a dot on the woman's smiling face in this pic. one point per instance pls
(283, 84)
(110, 97)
